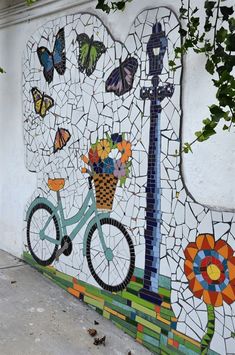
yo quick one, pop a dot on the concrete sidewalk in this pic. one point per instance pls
(37, 317)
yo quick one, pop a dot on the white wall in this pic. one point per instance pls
(208, 172)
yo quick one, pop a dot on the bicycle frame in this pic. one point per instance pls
(80, 219)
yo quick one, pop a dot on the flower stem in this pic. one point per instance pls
(206, 340)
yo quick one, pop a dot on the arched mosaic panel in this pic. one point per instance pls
(111, 220)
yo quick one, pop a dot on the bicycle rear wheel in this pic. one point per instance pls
(42, 251)
(112, 275)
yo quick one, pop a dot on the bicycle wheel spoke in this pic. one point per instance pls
(36, 244)
(112, 268)
(121, 277)
(117, 245)
(42, 251)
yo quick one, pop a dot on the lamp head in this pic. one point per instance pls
(156, 49)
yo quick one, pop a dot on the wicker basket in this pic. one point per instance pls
(105, 187)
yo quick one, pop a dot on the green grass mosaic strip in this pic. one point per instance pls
(151, 333)
(139, 316)
(143, 309)
(164, 292)
(118, 309)
(136, 299)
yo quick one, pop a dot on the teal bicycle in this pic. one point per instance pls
(106, 244)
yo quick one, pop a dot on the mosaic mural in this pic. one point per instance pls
(111, 220)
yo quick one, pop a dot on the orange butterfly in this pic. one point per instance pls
(61, 138)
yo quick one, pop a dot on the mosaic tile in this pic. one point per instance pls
(99, 114)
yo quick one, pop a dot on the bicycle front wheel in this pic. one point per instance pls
(115, 272)
(42, 251)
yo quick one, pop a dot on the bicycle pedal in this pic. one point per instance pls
(61, 250)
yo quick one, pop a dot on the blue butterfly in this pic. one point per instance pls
(56, 59)
(121, 79)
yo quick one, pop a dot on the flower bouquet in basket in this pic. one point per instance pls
(109, 160)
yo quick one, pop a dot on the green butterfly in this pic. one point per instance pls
(89, 53)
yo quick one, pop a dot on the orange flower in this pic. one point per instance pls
(125, 148)
(210, 270)
(103, 148)
(85, 159)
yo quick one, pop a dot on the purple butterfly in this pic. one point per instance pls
(121, 79)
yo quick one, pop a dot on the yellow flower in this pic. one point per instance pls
(103, 148)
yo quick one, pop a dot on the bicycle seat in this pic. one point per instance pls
(56, 184)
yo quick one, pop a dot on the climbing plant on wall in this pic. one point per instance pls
(215, 38)
(107, 6)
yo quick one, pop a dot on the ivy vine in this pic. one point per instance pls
(107, 6)
(215, 39)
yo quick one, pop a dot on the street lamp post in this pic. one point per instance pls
(156, 49)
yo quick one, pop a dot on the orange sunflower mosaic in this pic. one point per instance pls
(210, 270)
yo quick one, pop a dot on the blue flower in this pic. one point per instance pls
(98, 167)
(108, 166)
(116, 138)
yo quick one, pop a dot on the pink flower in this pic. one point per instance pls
(119, 169)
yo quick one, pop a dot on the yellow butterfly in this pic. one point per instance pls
(42, 102)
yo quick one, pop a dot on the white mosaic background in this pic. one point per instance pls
(84, 108)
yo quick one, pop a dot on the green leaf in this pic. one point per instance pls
(183, 12)
(210, 67)
(231, 22)
(209, 6)
(93, 146)
(225, 127)
(127, 170)
(195, 21)
(182, 32)
(195, 10)
(221, 34)
(207, 26)
(206, 122)
(226, 12)
(30, 2)
(171, 64)
(101, 5)
(230, 42)
(120, 5)
(216, 111)
(2, 70)
(122, 181)
(187, 148)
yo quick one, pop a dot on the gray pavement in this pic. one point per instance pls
(37, 317)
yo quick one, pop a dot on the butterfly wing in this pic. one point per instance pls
(89, 53)
(37, 99)
(121, 79)
(84, 48)
(114, 82)
(61, 138)
(46, 60)
(59, 56)
(42, 102)
(96, 50)
(47, 103)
